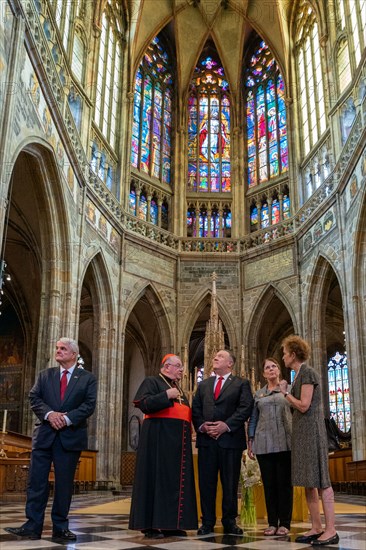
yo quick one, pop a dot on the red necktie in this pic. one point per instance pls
(63, 384)
(218, 387)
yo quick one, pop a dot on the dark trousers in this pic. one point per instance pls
(64, 463)
(276, 476)
(213, 460)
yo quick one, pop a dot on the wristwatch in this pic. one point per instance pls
(286, 393)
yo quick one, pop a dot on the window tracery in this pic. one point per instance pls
(338, 388)
(309, 77)
(152, 113)
(108, 76)
(351, 29)
(269, 208)
(209, 220)
(266, 123)
(209, 124)
(149, 206)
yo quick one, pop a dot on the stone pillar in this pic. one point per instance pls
(197, 222)
(148, 213)
(160, 202)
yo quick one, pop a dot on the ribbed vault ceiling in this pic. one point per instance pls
(229, 23)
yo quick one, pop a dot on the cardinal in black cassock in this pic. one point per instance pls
(163, 498)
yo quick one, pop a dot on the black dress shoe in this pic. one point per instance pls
(332, 540)
(174, 533)
(63, 535)
(205, 530)
(233, 530)
(154, 534)
(308, 539)
(22, 532)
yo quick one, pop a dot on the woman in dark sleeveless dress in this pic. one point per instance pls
(309, 442)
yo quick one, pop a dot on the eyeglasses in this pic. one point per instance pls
(180, 367)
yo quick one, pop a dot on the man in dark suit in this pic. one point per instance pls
(62, 398)
(220, 407)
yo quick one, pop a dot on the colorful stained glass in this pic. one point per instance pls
(227, 223)
(253, 216)
(338, 388)
(286, 207)
(265, 118)
(215, 224)
(209, 122)
(132, 201)
(264, 215)
(275, 211)
(203, 224)
(142, 209)
(154, 212)
(191, 222)
(151, 127)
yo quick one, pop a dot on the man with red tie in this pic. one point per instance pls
(220, 407)
(62, 398)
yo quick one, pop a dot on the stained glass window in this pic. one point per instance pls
(209, 167)
(152, 114)
(275, 211)
(191, 222)
(227, 222)
(338, 384)
(253, 217)
(154, 212)
(266, 121)
(132, 201)
(142, 210)
(264, 215)
(286, 207)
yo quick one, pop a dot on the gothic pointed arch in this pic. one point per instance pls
(146, 297)
(272, 319)
(324, 315)
(96, 337)
(37, 225)
(193, 333)
(148, 336)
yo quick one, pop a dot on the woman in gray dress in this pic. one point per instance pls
(269, 438)
(309, 442)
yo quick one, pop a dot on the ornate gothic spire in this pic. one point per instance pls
(214, 337)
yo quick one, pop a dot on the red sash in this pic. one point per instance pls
(181, 412)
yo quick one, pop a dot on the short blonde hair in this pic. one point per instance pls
(298, 346)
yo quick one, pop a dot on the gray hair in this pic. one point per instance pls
(71, 343)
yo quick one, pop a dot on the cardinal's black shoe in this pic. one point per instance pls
(22, 532)
(63, 535)
(153, 534)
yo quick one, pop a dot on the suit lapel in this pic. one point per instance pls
(55, 381)
(75, 377)
(224, 388)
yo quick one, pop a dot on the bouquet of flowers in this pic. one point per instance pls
(250, 476)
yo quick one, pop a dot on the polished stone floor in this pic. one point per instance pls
(110, 531)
